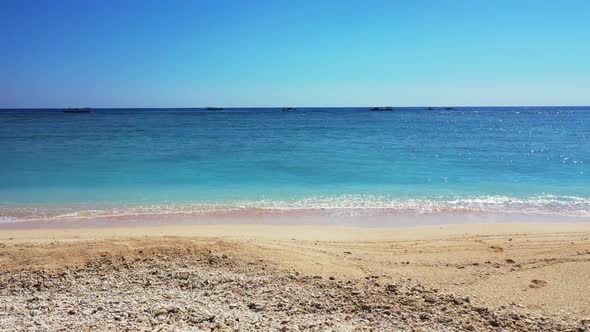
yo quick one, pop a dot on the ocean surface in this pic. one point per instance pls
(331, 162)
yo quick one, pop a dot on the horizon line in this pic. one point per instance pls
(273, 107)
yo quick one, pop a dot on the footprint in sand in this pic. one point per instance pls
(497, 248)
(537, 283)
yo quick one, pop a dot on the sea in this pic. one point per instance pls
(333, 165)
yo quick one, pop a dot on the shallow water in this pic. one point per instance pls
(328, 161)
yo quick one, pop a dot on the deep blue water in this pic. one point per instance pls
(412, 159)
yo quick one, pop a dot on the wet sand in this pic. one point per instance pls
(456, 277)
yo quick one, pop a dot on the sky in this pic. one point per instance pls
(181, 53)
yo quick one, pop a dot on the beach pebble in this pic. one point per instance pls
(167, 292)
(429, 299)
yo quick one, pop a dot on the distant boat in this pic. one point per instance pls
(214, 108)
(382, 109)
(77, 110)
(430, 108)
(288, 109)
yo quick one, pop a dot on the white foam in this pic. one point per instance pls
(8, 219)
(346, 205)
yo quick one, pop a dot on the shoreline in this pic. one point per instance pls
(232, 227)
(295, 218)
(543, 207)
(539, 270)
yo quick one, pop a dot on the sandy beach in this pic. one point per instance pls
(289, 278)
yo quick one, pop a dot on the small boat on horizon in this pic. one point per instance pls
(77, 110)
(214, 108)
(382, 109)
(288, 109)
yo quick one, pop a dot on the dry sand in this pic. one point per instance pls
(265, 277)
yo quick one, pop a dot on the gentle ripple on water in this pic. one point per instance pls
(340, 161)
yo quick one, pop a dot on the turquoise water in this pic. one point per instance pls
(349, 161)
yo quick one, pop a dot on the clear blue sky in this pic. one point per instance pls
(141, 53)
